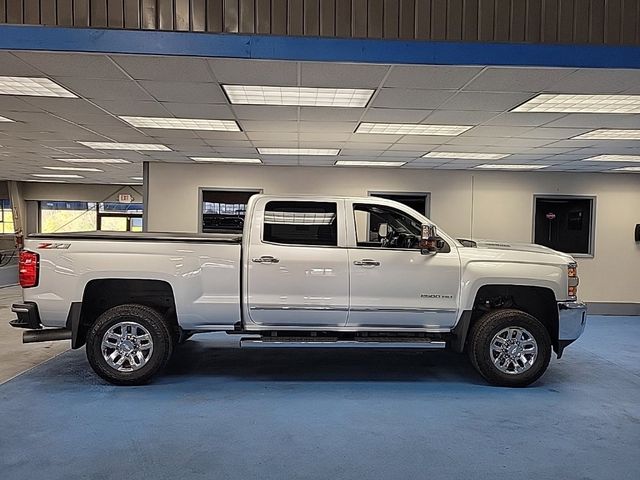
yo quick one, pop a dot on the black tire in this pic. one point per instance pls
(479, 347)
(148, 318)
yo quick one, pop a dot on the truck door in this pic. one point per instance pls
(392, 283)
(298, 274)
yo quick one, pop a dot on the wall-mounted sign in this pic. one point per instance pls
(125, 198)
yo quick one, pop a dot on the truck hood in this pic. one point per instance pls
(484, 244)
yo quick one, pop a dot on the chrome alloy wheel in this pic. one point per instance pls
(127, 346)
(513, 350)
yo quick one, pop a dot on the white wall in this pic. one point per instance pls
(496, 205)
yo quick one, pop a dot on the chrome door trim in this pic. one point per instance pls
(350, 329)
(403, 310)
(299, 307)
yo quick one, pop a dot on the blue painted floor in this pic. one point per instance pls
(224, 413)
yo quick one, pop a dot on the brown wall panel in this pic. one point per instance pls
(31, 11)
(98, 13)
(247, 19)
(279, 17)
(115, 13)
(391, 19)
(565, 20)
(312, 17)
(296, 17)
(328, 18)
(182, 14)
(214, 15)
(359, 18)
(612, 21)
(375, 11)
(131, 13)
(548, 21)
(438, 19)
(263, 16)
(470, 20)
(502, 22)
(486, 17)
(518, 20)
(423, 20)
(198, 15)
(630, 15)
(64, 12)
(48, 14)
(407, 19)
(581, 21)
(149, 14)
(14, 11)
(454, 19)
(165, 14)
(231, 16)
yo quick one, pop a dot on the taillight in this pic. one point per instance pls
(572, 273)
(28, 265)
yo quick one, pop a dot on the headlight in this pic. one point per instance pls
(573, 280)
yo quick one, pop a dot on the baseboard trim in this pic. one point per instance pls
(606, 308)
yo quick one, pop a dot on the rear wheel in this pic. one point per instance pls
(509, 348)
(129, 344)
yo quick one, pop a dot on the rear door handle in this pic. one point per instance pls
(367, 262)
(266, 259)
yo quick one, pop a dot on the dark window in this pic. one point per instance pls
(403, 230)
(223, 211)
(301, 223)
(564, 224)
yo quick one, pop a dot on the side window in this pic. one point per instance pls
(301, 223)
(403, 231)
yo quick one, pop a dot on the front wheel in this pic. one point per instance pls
(509, 348)
(128, 344)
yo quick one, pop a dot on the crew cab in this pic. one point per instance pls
(308, 271)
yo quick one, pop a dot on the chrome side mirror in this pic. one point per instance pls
(428, 240)
(383, 230)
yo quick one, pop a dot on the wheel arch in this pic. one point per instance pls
(540, 302)
(100, 295)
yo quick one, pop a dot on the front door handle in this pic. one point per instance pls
(266, 259)
(367, 262)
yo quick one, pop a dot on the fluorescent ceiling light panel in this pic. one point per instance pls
(609, 134)
(613, 158)
(226, 160)
(5, 119)
(511, 167)
(137, 178)
(182, 123)
(359, 163)
(627, 169)
(411, 129)
(33, 87)
(93, 160)
(466, 155)
(74, 169)
(303, 96)
(55, 175)
(126, 146)
(581, 103)
(299, 151)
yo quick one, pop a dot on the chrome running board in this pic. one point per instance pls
(280, 342)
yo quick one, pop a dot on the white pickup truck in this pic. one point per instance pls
(306, 271)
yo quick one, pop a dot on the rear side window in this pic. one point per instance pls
(301, 223)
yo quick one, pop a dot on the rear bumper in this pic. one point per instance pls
(28, 316)
(572, 318)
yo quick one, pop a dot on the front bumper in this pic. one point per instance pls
(572, 317)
